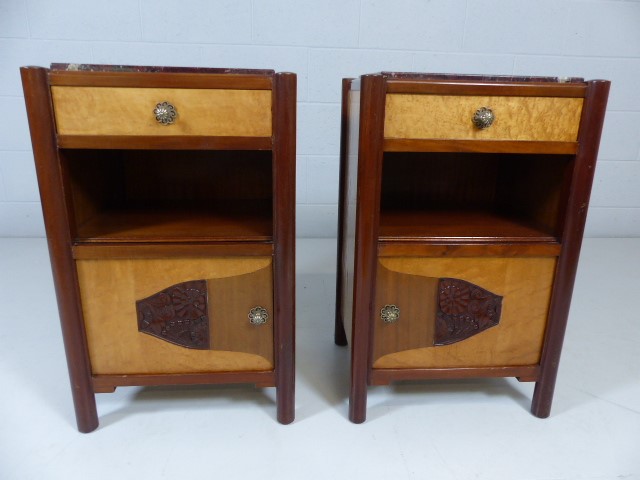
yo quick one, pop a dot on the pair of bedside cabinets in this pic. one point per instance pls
(169, 205)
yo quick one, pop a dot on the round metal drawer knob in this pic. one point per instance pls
(165, 113)
(258, 316)
(483, 118)
(390, 314)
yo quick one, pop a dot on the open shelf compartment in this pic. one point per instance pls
(473, 197)
(157, 196)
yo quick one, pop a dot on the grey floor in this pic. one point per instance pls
(468, 429)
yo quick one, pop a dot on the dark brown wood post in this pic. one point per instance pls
(372, 102)
(576, 214)
(284, 231)
(56, 216)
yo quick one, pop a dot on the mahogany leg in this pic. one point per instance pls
(285, 398)
(358, 402)
(359, 376)
(84, 403)
(543, 395)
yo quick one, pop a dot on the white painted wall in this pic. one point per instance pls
(323, 41)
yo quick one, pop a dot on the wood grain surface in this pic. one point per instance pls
(450, 117)
(525, 285)
(230, 301)
(129, 111)
(416, 298)
(109, 290)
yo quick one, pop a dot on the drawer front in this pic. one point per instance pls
(551, 119)
(461, 312)
(161, 316)
(130, 111)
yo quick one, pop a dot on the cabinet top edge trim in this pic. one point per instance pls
(101, 67)
(463, 77)
(508, 89)
(237, 81)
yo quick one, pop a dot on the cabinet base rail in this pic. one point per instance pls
(107, 383)
(527, 373)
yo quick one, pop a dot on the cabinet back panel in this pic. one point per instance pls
(536, 188)
(154, 177)
(438, 180)
(120, 179)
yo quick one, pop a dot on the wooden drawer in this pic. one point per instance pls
(461, 312)
(551, 119)
(168, 315)
(130, 111)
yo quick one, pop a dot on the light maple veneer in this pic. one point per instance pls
(129, 111)
(110, 288)
(525, 285)
(551, 119)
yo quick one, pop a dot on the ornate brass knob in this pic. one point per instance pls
(483, 118)
(165, 113)
(258, 316)
(390, 314)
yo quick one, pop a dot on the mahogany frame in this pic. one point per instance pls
(58, 218)
(365, 220)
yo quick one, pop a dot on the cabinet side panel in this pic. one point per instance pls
(525, 285)
(340, 336)
(109, 291)
(350, 199)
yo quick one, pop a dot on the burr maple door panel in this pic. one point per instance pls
(178, 315)
(461, 312)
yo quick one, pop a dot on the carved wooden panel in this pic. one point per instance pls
(110, 289)
(432, 311)
(524, 284)
(464, 310)
(177, 314)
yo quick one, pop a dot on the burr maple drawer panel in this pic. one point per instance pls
(461, 312)
(460, 117)
(161, 111)
(178, 315)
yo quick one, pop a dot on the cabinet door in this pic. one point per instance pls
(178, 315)
(460, 312)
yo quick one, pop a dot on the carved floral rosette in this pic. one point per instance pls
(464, 310)
(178, 314)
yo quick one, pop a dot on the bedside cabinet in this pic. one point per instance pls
(169, 200)
(463, 201)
